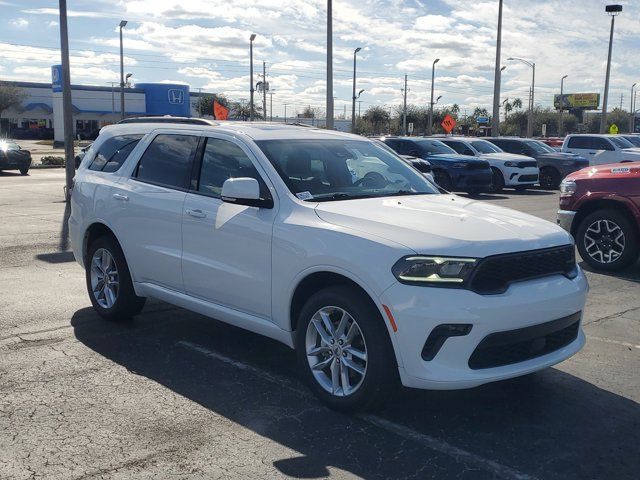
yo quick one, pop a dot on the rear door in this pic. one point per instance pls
(147, 213)
(226, 254)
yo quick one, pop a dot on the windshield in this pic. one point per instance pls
(336, 169)
(485, 147)
(621, 142)
(539, 146)
(434, 147)
(635, 140)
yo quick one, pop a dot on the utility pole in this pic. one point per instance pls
(613, 11)
(632, 113)
(67, 112)
(285, 113)
(329, 107)
(433, 69)
(123, 23)
(271, 106)
(200, 101)
(353, 98)
(264, 90)
(404, 107)
(495, 120)
(561, 105)
(251, 86)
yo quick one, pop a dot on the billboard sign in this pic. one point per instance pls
(587, 101)
(56, 78)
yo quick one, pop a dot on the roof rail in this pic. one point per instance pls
(169, 119)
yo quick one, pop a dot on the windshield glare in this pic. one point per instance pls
(485, 147)
(434, 147)
(337, 169)
(539, 146)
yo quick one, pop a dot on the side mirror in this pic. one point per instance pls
(244, 191)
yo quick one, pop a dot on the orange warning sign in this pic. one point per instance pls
(448, 123)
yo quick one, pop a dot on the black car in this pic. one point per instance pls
(12, 157)
(451, 171)
(553, 165)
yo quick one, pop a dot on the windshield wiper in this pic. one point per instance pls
(340, 196)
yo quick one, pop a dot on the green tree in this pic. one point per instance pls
(378, 117)
(10, 96)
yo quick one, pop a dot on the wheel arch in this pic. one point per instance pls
(600, 204)
(94, 231)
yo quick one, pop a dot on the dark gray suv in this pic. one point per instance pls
(553, 165)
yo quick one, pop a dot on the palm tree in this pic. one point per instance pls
(517, 104)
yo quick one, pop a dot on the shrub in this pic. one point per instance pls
(52, 160)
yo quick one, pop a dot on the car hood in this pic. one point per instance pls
(504, 156)
(561, 156)
(444, 224)
(453, 157)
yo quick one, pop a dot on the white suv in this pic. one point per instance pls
(601, 149)
(372, 276)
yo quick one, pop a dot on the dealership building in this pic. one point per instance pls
(40, 112)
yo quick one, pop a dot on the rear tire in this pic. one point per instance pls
(497, 180)
(24, 171)
(343, 380)
(549, 178)
(109, 282)
(607, 240)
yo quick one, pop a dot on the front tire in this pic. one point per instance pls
(549, 178)
(344, 350)
(497, 180)
(607, 240)
(109, 282)
(24, 171)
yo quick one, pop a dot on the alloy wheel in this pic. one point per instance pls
(336, 351)
(604, 241)
(104, 278)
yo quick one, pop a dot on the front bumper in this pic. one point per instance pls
(471, 180)
(14, 162)
(564, 218)
(418, 310)
(521, 176)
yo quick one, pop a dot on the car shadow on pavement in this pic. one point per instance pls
(550, 425)
(631, 273)
(5, 173)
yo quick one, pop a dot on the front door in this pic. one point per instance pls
(226, 255)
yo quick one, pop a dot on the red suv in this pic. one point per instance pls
(600, 206)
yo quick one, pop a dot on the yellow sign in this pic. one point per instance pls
(613, 129)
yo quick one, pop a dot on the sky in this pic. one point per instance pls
(205, 43)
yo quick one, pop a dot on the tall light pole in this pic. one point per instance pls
(404, 107)
(613, 11)
(264, 90)
(353, 98)
(251, 87)
(123, 24)
(532, 96)
(329, 106)
(67, 112)
(433, 70)
(561, 105)
(497, 78)
(631, 114)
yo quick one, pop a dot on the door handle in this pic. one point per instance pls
(592, 153)
(196, 213)
(119, 196)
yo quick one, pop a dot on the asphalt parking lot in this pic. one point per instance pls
(176, 395)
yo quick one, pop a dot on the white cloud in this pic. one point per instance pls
(20, 22)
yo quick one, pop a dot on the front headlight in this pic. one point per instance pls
(567, 188)
(511, 164)
(427, 270)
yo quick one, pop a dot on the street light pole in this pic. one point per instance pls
(123, 23)
(561, 105)
(613, 11)
(495, 120)
(67, 112)
(532, 96)
(264, 90)
(631, 114)
(404, 107)
(433, 69)
(251, 88)
(329, 106)
(353, 98)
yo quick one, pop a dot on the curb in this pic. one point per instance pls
(45, 166)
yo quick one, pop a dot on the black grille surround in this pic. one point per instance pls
(494, 274)
(529, 163)
(528, 178)
(515, 346)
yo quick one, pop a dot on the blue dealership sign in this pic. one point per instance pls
(482, 119)
(56, 78)
(166, 99)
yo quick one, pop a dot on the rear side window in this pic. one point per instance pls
(578, 142)
(168, 160)
(589, 143)
(459, 147)
(113, 153)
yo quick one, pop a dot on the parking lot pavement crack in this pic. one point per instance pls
(612, 316)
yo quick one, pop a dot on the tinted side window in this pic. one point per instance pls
(113, 152)
(510, 147)
(600, 143)
(579, 142)
(167, 161)
(222, 160)
(459, 147)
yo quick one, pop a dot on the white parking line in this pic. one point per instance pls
(432, 443)
(615, 342)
